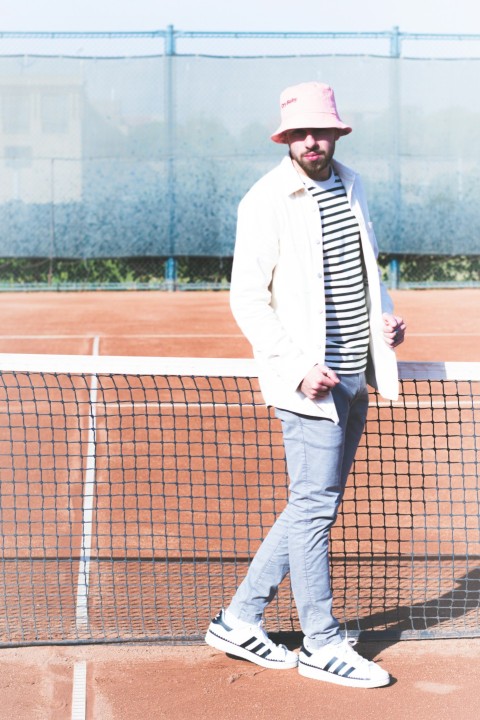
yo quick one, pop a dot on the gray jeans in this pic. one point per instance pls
(319, 457)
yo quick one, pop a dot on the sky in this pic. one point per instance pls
(432, 16)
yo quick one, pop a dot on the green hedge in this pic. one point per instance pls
(146, 272)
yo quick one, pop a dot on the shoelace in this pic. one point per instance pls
(267, 640)
(262, 632)
(349, 644)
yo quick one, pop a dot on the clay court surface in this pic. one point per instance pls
(432, 679)
(442, 324)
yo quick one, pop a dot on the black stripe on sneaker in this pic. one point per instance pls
(257, 648)
(333, 666)
(339, 668)
(329, 664)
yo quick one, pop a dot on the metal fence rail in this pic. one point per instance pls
(174, 41)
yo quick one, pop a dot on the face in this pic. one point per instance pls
(311, 150)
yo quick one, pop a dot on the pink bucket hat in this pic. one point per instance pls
(308, 105)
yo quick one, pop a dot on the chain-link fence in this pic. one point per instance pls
(127, 171)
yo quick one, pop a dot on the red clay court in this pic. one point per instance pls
(128, 681)
(443, 325)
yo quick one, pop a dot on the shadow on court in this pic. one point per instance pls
(452, 614)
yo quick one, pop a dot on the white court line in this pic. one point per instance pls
(81, 613)
(79, 691)
(198, 335)
(43, 337)
(441, 334)
(123, 336)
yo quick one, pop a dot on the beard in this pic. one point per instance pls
(317, 168)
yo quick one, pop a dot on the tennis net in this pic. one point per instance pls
(135, 491)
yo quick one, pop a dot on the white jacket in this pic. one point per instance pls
(277, 290)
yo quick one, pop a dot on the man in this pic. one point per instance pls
(306, 292)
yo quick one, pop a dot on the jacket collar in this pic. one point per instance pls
(290, 179)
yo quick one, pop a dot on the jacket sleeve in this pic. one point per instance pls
(255, 259)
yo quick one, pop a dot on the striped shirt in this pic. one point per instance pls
(347, 325)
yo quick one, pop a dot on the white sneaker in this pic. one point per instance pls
(341, 664)
(247, 641)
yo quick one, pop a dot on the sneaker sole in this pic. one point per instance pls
(228, 647)
(315, 673)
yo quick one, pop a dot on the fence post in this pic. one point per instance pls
(394, 273)
(51, 258)
(395, 110)
(171, 263)
(395, 42)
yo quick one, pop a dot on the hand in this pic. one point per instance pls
(318, 382)
(394, 329)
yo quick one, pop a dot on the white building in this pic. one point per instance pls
(40, 139)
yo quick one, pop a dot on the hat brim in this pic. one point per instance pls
(307, 120)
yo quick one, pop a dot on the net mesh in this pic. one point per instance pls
(133, 500)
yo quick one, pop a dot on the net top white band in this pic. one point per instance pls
(214, 367)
